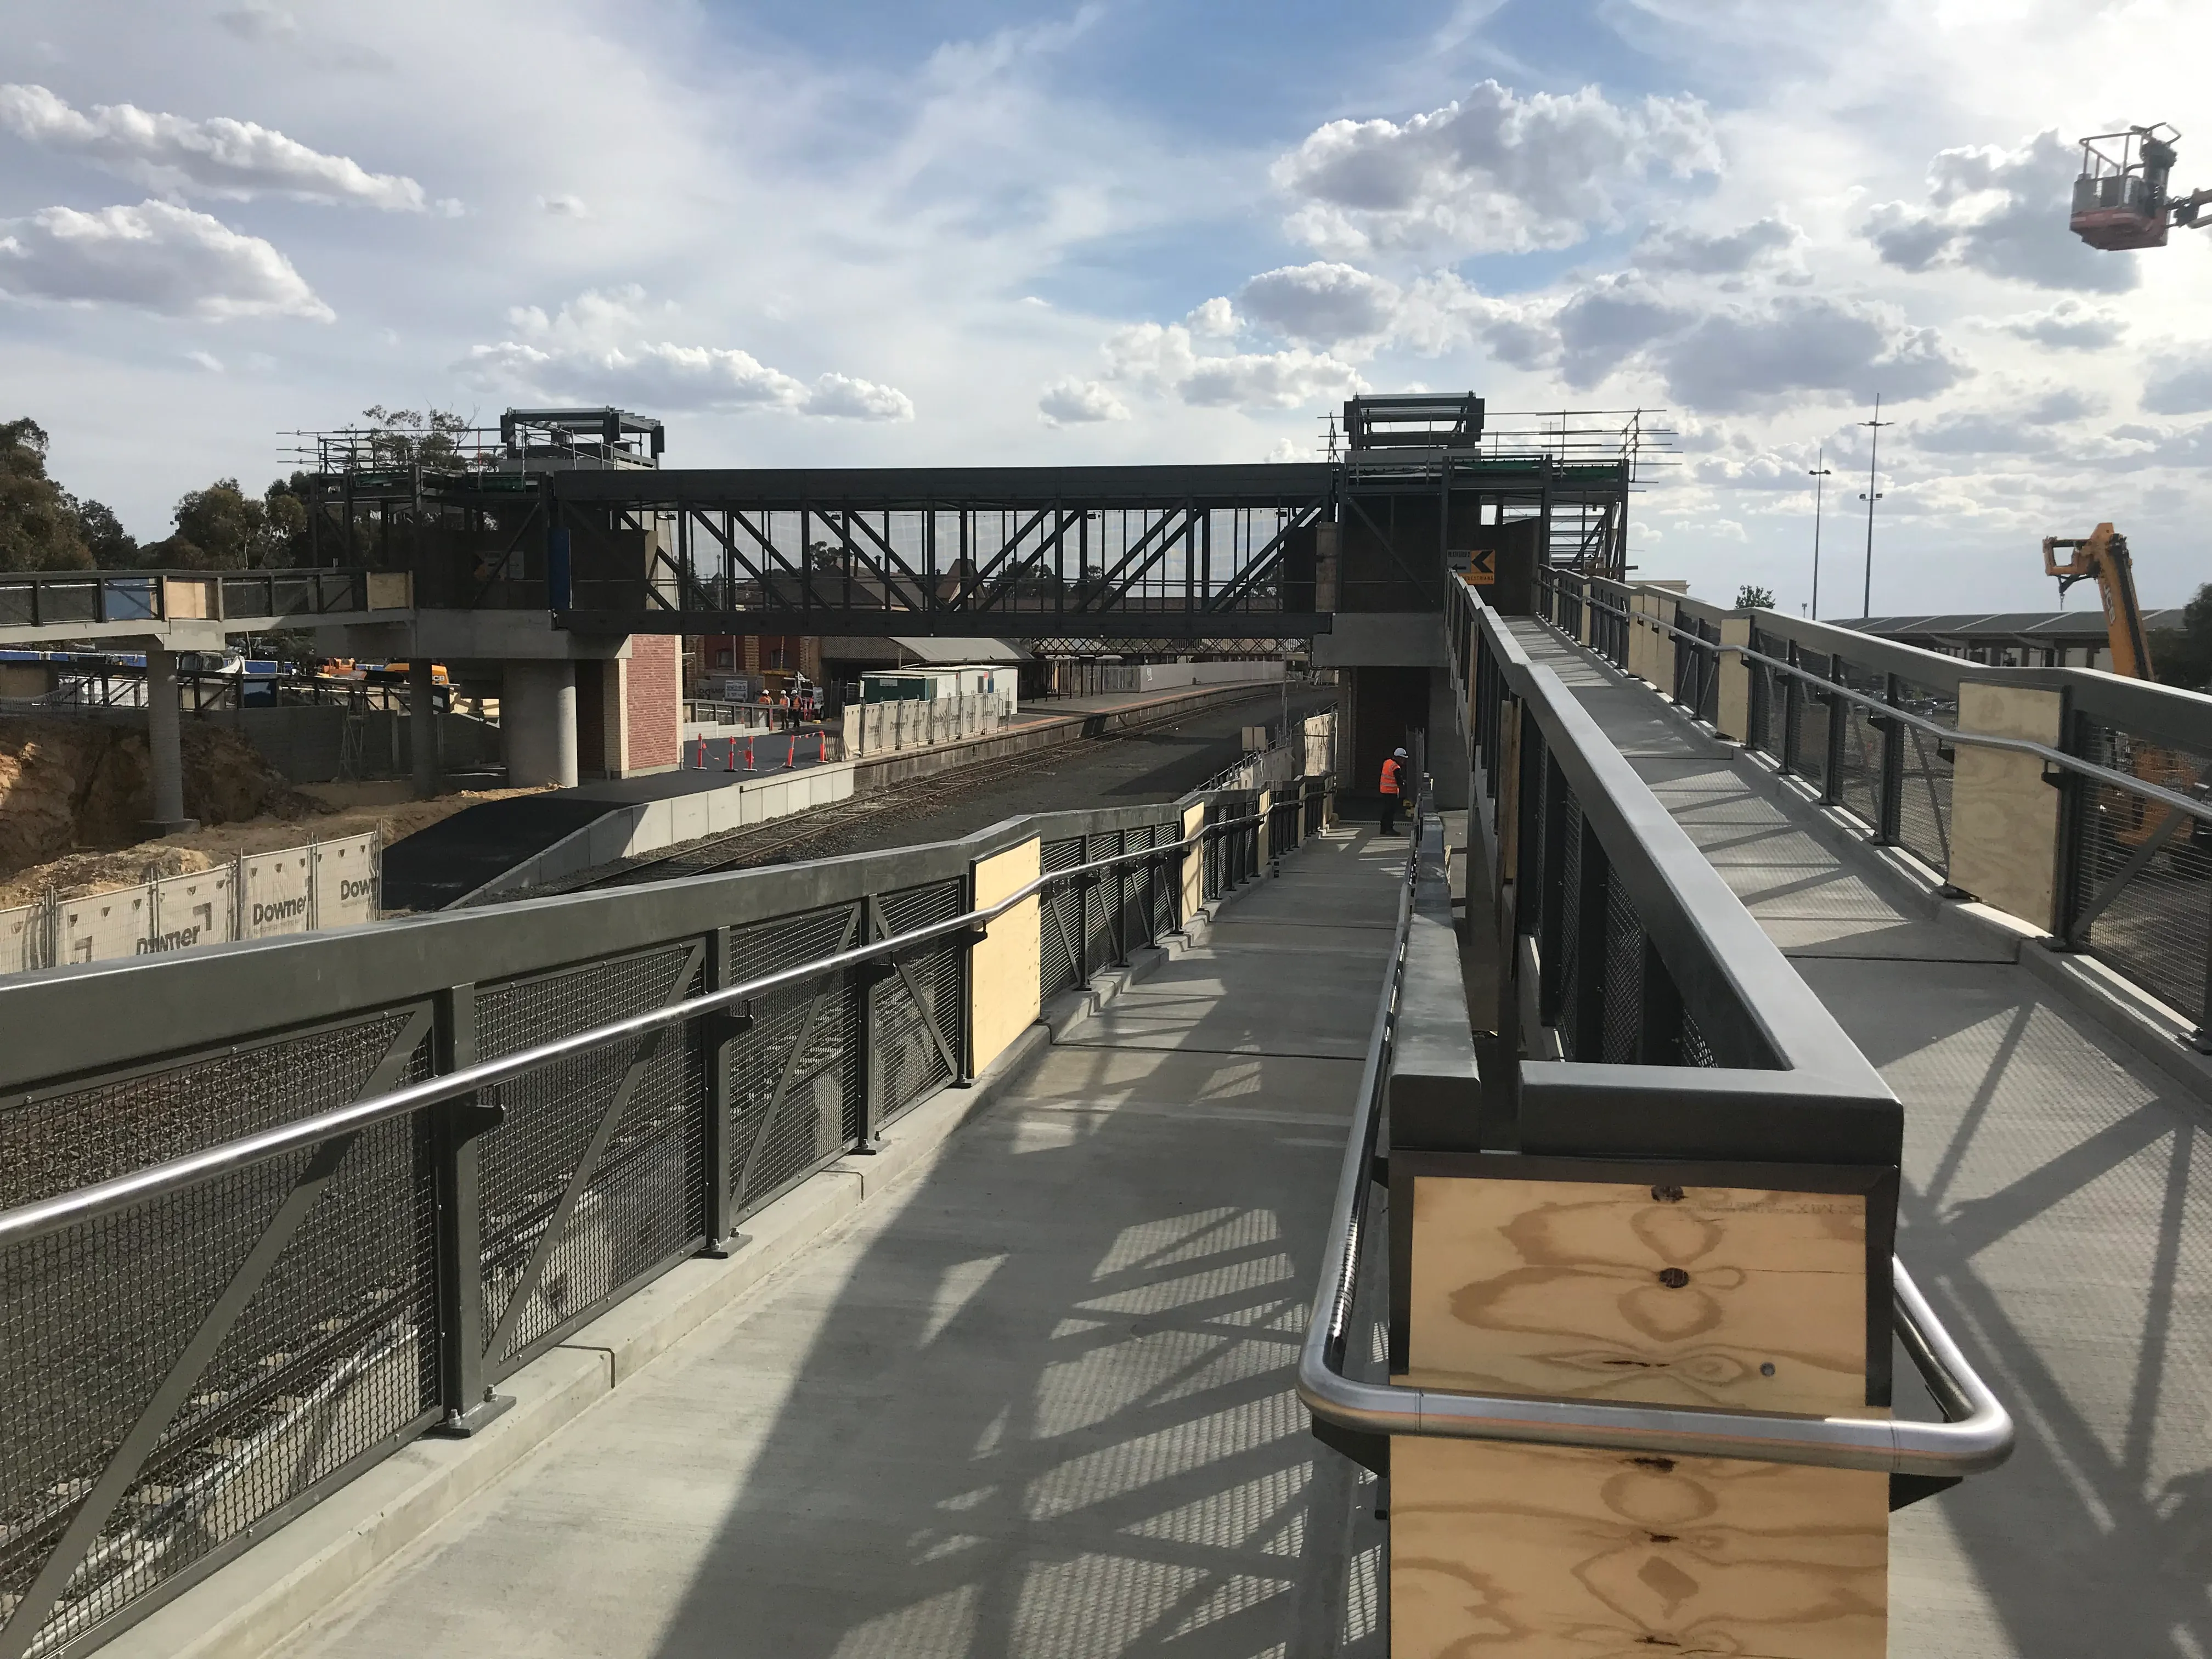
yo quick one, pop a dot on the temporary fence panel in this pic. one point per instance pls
(196, 908)
(345, 881)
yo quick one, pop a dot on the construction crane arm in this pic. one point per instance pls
(2102, 556)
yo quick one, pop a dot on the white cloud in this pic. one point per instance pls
(1746, 356)
(157, 257)
(2069, 325)
(2181, 384)
(1161, 357)
(1496, 172)
(593, 348)
(1609, 321)
(1674, 249)
(564, 206)
(1321, 304)
(1216, 318)
(1072, 402)
(221, 157)
(206, 360)
(2003, 213)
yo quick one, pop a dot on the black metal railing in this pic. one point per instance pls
(48, 598)
(1872, 726)
(320, 1195)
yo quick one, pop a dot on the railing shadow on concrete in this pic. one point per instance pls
(321, 1196)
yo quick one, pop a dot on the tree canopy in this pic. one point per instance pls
(39, 525)
(2183, 656)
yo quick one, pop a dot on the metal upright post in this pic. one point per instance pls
(1793, 706)
(722, 1029)
(1890, 828)
(468, 1401)
(865, 977)
(1832, 786)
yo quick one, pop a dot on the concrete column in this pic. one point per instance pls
(422, 725)
(537, 721)
(165, 742)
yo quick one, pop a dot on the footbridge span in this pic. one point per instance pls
(1646, 1208)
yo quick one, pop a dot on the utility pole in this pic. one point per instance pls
(1870, 496)
(1819, 473)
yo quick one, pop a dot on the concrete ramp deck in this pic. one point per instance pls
(1036, 1400)
(2057, 1207)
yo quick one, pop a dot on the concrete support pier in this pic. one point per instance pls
(165, 742)
(537, 712)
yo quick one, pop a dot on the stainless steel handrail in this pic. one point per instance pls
(1978, 1436)
(163, 1180)
(2199, 809)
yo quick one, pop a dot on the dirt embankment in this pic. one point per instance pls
(73, 797)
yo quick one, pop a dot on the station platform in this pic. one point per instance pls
(1036, 1398)
(2055, 1205)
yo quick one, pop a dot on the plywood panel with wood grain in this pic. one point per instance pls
(1743, 1298)
(1194, 863)
(2005, 818)
(1548, 1553)
(1724, 1297)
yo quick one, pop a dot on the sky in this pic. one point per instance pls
(969, 232)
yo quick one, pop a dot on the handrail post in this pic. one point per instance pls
(865, 977)
(1793, 707)
(1832, 786)
(1889, 829)
(466, 1399)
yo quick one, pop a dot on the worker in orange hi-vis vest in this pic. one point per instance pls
(1394, 789)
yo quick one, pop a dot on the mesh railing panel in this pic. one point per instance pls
(2157, 929)
(1763, 714)
(1098, 899)
(917, 1000)
(1812, 738)
(56, 1143)
(634, 1208)
(330, 1359)
(1858, 774)
(794, 1076)
(1621, 1021)
(1059, 919)
(1923, 801)
(1572, 966)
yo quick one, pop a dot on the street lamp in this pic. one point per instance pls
(1870, 496)
(1817, 474)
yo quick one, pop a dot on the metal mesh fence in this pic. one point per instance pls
(1762, 713)
(917, 1033)
(329, 1359)
(1812, 758)
(1059, 919)
(1858, 771)
(2142, 880)
(1098, 899)
(589, 1183)
(1572, 967)
(1621, 1018)
(1923, 800)
(794, 1085)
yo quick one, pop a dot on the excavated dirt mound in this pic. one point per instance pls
(79, 786)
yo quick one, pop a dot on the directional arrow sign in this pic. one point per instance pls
(1482, 568)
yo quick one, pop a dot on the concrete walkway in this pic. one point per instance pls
(1037, 1401)
(2057, 1206)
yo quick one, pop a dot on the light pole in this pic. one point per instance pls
(1818, 474)
(1870, 496)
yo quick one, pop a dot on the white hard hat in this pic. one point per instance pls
(1399, 754)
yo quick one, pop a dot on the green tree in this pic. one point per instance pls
(407, 437)
(223, 528)
(1748, 597)
(39, 529)
(2183, 656)
(113, 547)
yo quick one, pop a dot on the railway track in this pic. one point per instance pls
(845, 826)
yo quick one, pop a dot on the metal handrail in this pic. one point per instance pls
(2199, 809)
(164, 1179)
(1977, 1436)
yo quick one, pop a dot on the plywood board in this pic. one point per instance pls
(1004, 971)
(1194, 863)
(1601, 1291)
(2005, 818)
(1738, 1297)
(1547, 1552)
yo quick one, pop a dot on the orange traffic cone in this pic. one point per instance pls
(732, 755)
(749, 754)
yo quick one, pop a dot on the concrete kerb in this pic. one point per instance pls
(2121, 1009)
(250, 1605)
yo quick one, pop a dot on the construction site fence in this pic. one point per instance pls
(883, 728)
(295, 889)
(259, 1235)
(322, 743)
(2129, 881)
